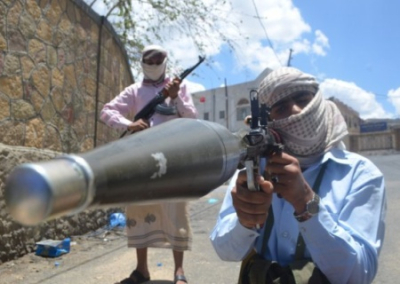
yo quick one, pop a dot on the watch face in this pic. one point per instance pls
(313, 205)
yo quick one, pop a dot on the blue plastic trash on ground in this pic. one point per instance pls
(53, 248)
(212, 200)
(117, 220)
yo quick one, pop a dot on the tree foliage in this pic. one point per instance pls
(142, 22)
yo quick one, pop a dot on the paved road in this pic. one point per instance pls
(105, 259)
(389, 261)
(94, 260)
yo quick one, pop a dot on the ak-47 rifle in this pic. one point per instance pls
(151, 107)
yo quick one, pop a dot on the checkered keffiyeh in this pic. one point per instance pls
(316, 129)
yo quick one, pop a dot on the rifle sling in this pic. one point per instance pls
(300, 246)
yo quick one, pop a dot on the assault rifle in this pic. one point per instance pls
(155, 103)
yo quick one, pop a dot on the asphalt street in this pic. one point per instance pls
(102, 257)
(389, 259)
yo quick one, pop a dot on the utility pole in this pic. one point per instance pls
(226, 106)
(214, 106)
(290, 57)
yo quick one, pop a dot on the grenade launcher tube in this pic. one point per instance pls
(182, 159)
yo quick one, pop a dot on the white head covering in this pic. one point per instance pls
(154, 73)
(316, 129)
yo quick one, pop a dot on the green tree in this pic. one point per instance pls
(142, 22)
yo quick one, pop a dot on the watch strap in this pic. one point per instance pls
(306, 215)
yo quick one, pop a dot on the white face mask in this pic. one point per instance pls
(154, 72)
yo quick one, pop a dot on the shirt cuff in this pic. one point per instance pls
(241, 233)
(318, 226)
(121, 124)
(125, 122)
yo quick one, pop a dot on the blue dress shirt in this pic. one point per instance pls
(344, 239)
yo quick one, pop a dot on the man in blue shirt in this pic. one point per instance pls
(341, 223)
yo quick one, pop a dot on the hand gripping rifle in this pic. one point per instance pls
(261, 141)
(181, 159)
(148, 110)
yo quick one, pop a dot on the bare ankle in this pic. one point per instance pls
(144, 271)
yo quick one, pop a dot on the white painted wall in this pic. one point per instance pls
(215, 102)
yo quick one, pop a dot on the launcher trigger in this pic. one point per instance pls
(250, 172)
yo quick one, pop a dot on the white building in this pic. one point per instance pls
(227, 105)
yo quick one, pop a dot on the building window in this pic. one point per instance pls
(242, 109)
(242, 112)
(243, 102)
(206, 116)
(222, 114)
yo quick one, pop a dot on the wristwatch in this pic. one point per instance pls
(312, 208)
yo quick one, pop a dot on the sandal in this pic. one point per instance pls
(180, 278)
(135, 278)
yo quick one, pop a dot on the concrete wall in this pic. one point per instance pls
(59, 63)
(385, 140)
(233, 101)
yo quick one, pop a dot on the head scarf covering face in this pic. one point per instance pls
(316, 129)
(154, 73)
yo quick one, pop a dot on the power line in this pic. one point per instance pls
(265, 31)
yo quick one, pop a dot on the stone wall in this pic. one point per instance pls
(17, 240)
(59, 63)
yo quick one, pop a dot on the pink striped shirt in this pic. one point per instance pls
(136, 96)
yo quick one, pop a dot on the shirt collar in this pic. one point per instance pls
(336, 155)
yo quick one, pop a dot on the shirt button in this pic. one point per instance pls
(285, 235)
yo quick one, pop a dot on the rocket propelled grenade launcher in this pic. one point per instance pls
(181, 159)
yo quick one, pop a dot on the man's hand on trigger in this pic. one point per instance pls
(289, 182)
(138, 125)
(173, 88)
(251, 206)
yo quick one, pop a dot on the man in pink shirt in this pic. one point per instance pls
(164, 225)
